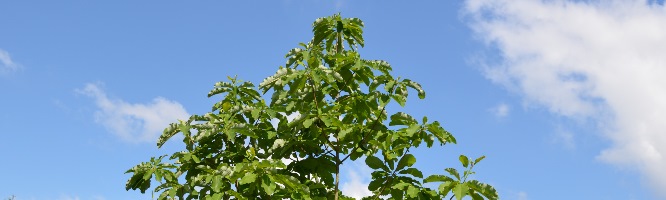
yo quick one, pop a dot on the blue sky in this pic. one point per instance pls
(567, 99)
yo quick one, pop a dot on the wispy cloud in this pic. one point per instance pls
(98, 197)
(598, 60)
(501, 110)
(134, 122)
(565, 138)
(7, 65)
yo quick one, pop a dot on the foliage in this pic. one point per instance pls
(247, 148)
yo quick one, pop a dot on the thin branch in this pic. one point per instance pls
(337, 173)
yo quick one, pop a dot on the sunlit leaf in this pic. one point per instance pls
(401, 118)
(412, 171)
(464, 160)
(406, 161)
(453, 172)
(460, 191)
(248, 178)
(479, 159)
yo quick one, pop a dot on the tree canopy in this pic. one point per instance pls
(248, 148)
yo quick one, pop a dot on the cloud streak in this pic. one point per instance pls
(136, 122)
(7, 65)
(501, 110)
(598, 60)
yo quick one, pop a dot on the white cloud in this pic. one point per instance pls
(7, 65)
(134, 122)
(357, 178)
(598, 60)
(501, 110)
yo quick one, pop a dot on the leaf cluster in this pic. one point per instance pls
(248, 147)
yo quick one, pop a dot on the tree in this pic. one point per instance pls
(247, 148)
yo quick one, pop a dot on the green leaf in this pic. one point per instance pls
(147, 175)
(437, 178)
(376, 183)
(415, 86)
(401, 118)
(400, 185)
(409, 132)
(412, 171)
(269, 188)
(158, 175)
(412, 191)
(168, 133)
(169, 177)
(268, 185)
(388, 86)
(479, 159)
(475, 196)
(406, 161)
(453, 172)
(400, 99)
(248, 178)
(172, 192)
(255, 113)
(442, 135)
(308, 122)
(446, 187)
(397, 193)
(464, 160)
(484, 189)
(195, 158)
(217, 183)
(375, 163)
(343, 133)
(460, 191)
